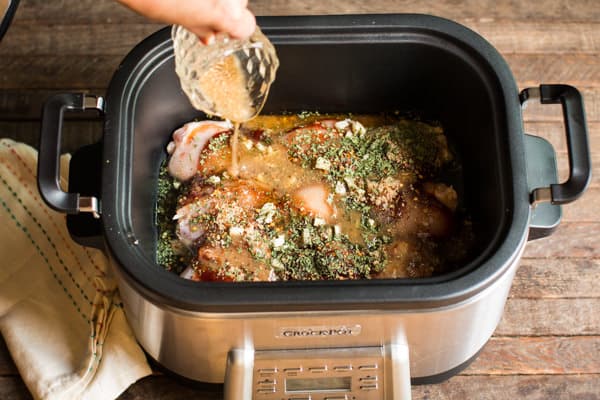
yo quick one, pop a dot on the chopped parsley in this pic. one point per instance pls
(169, 251)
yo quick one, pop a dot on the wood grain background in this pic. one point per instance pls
(548, 343)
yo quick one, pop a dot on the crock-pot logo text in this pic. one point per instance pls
(319, 331)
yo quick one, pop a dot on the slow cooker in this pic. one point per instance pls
(365, 339)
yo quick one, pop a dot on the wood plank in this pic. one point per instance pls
(585, 209)
(75, 40)
(507, 36)
(531, 387)
(510, 36)
(570, 240)
(550, 317)
(83, 12)
(94, 11)
(538, 355)
(541, 10)
(56, 72)
(575, 69)
(539, 278)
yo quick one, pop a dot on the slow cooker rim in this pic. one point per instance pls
(164, 287)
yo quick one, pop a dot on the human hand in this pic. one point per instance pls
(202, 17)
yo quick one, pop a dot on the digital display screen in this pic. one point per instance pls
(333, 384)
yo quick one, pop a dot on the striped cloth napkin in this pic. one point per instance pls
(60, 312)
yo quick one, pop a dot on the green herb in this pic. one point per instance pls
(169, 253)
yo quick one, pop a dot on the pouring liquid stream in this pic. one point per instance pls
(225, 84)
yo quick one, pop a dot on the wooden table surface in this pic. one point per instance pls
(548, 343)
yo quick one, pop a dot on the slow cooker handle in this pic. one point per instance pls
(49, 155)
(577, 142)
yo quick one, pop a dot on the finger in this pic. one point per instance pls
(244, 26)
(206, 35)
(232, 17)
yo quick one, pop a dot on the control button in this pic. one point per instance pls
(341, 368)
(267, 381)
(292, 370)
(344, 397)
(372, 386)
(267, 387)
(368, 378)
(265, 390)
(267, 370)
(317, 369)
(367, 367)
(299, 398)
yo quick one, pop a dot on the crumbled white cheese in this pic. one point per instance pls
(261, 147)
(272, 276)
(248, 144)
(350, 127)
(236, 231)
(275, 263)
(278, 241)
(306, 237)
(337, 231)
(350, 182)
(358, 128)
(353, 186)
(340, 188)
(371, 222)
(342, 125)
(213, 180)
(319, 221)
(323, 164)
(266, 213)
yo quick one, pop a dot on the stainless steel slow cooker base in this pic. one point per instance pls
(195, 345)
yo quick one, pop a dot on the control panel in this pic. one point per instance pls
(357, 373)
(338, 374)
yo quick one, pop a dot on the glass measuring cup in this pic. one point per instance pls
(229, 78)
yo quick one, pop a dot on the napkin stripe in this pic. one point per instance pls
(57, 230)
(43, 255)
(34, 176)
(50, 241)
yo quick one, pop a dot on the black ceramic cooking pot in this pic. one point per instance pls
(359, 64)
